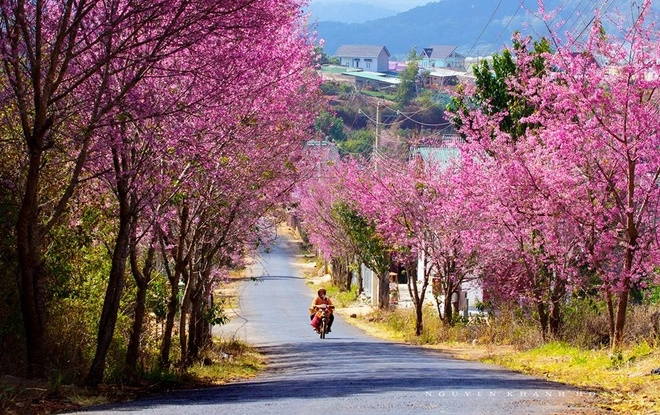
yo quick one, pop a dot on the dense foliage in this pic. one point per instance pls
(554, 195)
(144, 144)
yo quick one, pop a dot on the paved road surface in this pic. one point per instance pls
(349, 372)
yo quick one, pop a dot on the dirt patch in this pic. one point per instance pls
(355, 311)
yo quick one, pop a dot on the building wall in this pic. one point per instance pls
(470, 294)
(450, 62)
(378, 64)
(383, 62)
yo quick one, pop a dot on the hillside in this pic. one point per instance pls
(475, 26)
(348, 12)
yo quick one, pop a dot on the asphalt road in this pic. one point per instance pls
(348, 372)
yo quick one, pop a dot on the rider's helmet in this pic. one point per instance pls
(321, 292)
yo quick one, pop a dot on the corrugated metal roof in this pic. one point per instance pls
(362, 51)
(445, 72)
(438, 51)
(375, 76)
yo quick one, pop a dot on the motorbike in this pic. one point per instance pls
(324, 317)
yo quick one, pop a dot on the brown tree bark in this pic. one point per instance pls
(173, 277)
(142, 279)
(384, 289)
(115, 289)
(31, 282)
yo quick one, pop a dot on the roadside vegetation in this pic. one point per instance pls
(531, 194)
(135, 178)
(622, 382)
(226, 361)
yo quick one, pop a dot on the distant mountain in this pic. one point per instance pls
(477, 27)
(348, 12)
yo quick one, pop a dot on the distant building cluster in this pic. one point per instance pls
(370, 65)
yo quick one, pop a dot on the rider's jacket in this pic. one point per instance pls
(318, 301)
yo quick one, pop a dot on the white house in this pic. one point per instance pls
(365, 57)
(441, 56)
(470, 293)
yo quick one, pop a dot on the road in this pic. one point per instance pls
(348, 372)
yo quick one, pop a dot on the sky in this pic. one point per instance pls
(398, 5)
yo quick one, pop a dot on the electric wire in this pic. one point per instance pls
(409, 118)
(606, 6)
(485, 27)
(520, 7)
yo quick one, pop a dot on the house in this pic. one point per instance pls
(373, 80)
(439, 78)
(323, 153)
(443, 152)
(441, 56)
(365, 57)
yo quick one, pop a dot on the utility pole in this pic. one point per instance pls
(375, 151)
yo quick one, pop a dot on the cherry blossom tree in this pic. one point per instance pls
(604, 132)
(317, 207)
(68, 71)
(336, 225)
(577, 194)
(248, 135)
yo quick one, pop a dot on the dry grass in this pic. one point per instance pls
(623, 382)
(228, 361)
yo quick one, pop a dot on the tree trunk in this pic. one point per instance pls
(348, 276)
(203, 333)
(418, 299)
(448, 313)
(133, 349)
(448, 308)
(112, 299)
(180, 263)
(621, 310)
(32, 294)
(543, 319)
(336, 272)
(555, 318)
(142, 280)
(360, 280)
(384, 289)
(195, 326)
(183, 318)
(172, 307)
(31, 281)
(117, 277)
(419, 320)
(183, 338)
(610, 314)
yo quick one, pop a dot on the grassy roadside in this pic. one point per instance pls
(623, 383)
(226, 362)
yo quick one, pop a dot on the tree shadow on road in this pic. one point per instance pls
(357, 368)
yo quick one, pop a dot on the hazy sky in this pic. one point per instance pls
(398, 5)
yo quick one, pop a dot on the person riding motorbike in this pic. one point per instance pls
(315, 314)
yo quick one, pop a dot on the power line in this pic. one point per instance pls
(605, 8)
(408, 117)
(376, 122)
(485, 27)
(423, 124)
(520, 7)
(570, 16)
